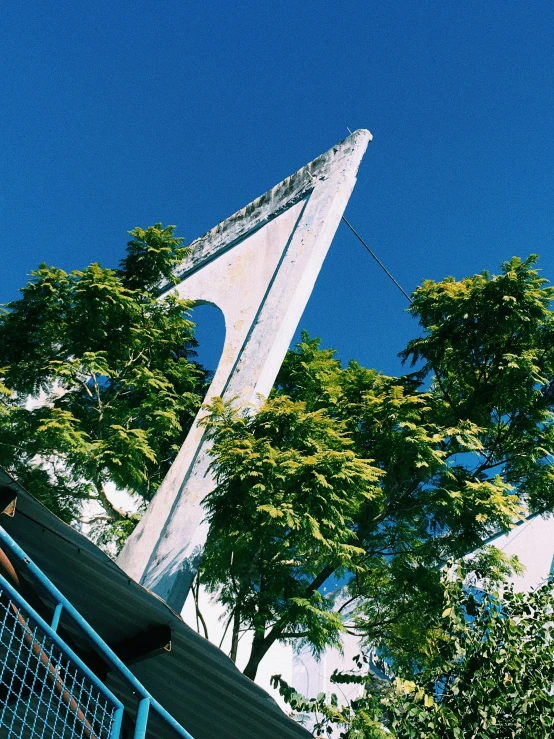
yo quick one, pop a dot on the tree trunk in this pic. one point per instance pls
(262, 643)
(235, 637)
(260, 647)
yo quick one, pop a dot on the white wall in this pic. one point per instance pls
(533, 542)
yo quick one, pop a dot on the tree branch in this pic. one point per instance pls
(116, 513)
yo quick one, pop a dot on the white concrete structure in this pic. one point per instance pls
(259, 267)
(533, 543)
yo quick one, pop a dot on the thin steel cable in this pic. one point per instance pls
(379, 262)
(399, 286)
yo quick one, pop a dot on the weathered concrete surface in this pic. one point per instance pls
(259, 267)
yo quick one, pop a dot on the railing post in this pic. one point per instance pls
(56, 617)
(116, 726)
(142, 719)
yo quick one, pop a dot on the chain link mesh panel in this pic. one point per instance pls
(43, 694)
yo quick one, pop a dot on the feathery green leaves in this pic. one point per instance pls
(373, 482)
(98, 383)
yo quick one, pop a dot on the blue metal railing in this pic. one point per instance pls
(46, 687)
(46, 690)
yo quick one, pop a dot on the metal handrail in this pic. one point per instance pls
(50, 632)
(147, 701)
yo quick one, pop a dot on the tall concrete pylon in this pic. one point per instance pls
(259, 267)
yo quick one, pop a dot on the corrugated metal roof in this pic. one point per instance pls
(195, 681)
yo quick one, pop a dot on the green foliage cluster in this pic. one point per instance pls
(373, 482)
(491, 676)
(493, 670)
(339, 504)
(366, 717)
(98, 382)
(290, 489)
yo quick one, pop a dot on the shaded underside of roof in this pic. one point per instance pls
(198, 684)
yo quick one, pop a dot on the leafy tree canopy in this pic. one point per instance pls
(349, 477)
(347, 480)
(490, 676)
(98, 382)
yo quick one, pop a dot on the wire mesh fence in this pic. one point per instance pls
(44, 694)
(46, 689)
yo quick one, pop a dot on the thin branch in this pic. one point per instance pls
(199, 616)
(347, 603)
(295, 635)
(116, 513)
(226, 629)
(94, 519)
(86, 387)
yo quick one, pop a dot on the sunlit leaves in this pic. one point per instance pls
(493, 671)
(290, 488)
(152, 255)
(463, 446)
(490, 675)
(108, 370)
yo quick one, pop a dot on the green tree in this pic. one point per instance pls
(379, 481)
(98, 382)
(282, 521)
(492, 672)
(490, 676)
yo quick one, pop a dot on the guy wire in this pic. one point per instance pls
(379, 262)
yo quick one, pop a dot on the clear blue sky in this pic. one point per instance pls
(127, 113)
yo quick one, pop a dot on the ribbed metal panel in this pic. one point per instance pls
(199, 686)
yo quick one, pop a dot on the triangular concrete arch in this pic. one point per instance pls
(259, 267)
